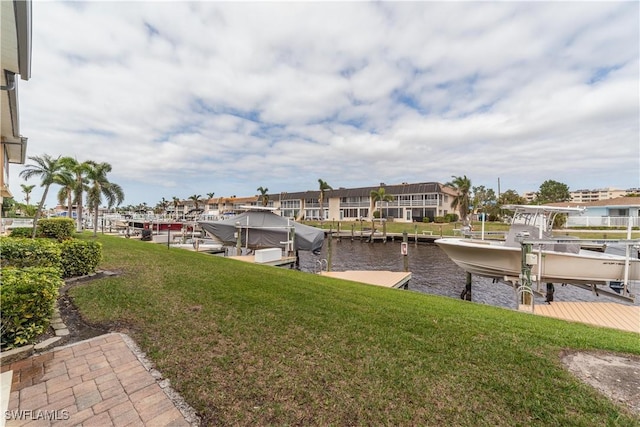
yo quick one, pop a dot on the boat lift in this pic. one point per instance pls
(531, 259)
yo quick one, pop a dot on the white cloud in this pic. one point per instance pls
(189, 98)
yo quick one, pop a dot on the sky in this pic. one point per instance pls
(186, 98)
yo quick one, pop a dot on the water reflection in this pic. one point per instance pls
(432, 271)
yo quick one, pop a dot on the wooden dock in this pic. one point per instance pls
(606, 314)
(388, 279)
(252, 259)
(378, 236)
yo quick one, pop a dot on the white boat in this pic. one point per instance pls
(199, 245)
(551, 260)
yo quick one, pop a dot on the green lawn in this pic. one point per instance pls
(255, 345)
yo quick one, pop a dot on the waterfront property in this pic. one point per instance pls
(410, 202)
(606, 213)
(251, 345)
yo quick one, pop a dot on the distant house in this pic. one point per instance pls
(16, 60)
(606, 213)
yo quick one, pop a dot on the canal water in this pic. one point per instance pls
(432, 272)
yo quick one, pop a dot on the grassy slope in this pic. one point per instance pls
(248, 344)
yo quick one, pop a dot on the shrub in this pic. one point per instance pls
(23, 252)
(21, 232)
(28, 298)
(80, 257)
(450, 217)
(439, 220)
(425, 219)
(56, 228)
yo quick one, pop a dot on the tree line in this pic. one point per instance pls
(484, 200)
(78, 178)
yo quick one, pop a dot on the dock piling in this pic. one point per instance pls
(405, 251)
(466, 293)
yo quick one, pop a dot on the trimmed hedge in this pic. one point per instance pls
(21, 232)
(56, 228)
(28, 298)
(71, 257)
(22, 252)
(80, 257)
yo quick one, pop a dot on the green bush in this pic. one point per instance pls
(56, 228)
(439, 220)
(23, 252)
(425, 219)
(21, 232)
(28, 298)
(80, 257)
(450, 217)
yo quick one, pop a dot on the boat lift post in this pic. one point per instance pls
(238, 238)
(525, 291)
(627, 256)
(537, 259)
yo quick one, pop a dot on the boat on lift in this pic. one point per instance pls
(552, 260)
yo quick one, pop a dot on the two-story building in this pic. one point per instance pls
(411, 202)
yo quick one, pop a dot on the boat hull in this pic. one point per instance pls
(492, 259)
(158, 226)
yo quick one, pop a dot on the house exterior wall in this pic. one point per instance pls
(411, 202)
(607, 213)
(16, 60)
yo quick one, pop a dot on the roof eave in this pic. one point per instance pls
(23, 33)
(16, 149)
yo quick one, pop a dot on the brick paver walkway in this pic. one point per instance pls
(97, 382)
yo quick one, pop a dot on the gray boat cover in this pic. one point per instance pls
(265, 230)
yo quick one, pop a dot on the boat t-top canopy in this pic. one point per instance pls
(540, 216)
(542, 209)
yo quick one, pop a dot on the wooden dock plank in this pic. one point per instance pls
(252, 259)
(387, 279)
(606, 314)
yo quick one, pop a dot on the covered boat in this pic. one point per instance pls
(259, 229)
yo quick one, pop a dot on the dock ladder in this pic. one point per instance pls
(321, 265)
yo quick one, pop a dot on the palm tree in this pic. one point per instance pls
(161, 207)
(100, 186)
(197, 198)
(323, 187)
(462, 185)
(210, 195)
(67, 182)
(79, 170)
(176, 202)
(380, 195)
(263, 195)
(47, 168)
(26, 189)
